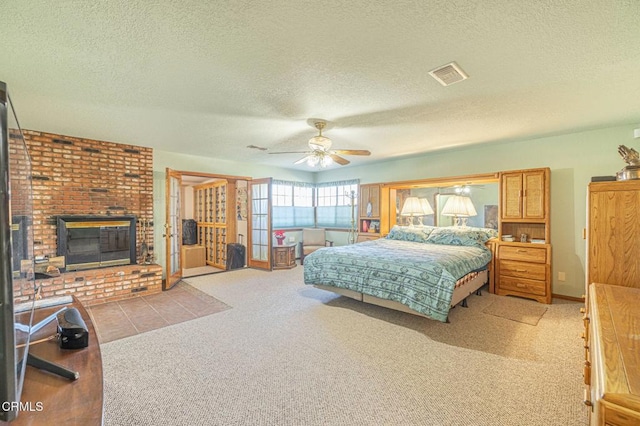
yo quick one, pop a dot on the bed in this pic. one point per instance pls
(421, 270)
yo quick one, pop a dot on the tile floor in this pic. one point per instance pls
(116, 320)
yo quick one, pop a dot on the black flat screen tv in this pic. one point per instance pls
(17, 283)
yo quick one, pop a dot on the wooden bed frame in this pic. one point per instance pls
(460, 294)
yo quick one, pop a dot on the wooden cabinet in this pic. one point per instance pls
(524, 268)
(613, 233)
(523, 194)
(370, 201)
(612, 355)
(284, 256)
(214, 205)
(373, 211)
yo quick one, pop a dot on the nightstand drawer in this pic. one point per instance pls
(534, 271)
(522, 285)
(525, 254)
(364, 237)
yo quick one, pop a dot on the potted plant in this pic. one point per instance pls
(279, 234)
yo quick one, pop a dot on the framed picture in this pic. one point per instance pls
(491, 216)
(241, 203)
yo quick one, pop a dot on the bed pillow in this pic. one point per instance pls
(416, 234)
(461, 236)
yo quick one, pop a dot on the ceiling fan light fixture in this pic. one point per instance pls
(319, 158)
(326, 161)
(313, 160)
(320, 142)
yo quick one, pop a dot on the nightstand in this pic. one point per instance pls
(284, 256)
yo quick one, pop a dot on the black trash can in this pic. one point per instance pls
(189, 232)
(235, 256)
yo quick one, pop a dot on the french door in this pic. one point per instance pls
(259, 239)
(173, 229)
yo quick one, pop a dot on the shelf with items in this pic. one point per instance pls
(373, 211)
(215, 228)
(369, 225)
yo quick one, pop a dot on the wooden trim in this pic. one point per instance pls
(625, 185)
(571, 298)
(451, 180)
(213, 175)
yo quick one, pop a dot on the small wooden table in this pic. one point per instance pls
(63, 401)
(284, 256)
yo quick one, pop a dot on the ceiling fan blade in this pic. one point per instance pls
(289, 152)
(339, 160)
(351, 151)
(303, 159)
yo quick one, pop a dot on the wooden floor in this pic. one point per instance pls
(116, 320)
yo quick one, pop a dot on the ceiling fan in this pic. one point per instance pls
(321, 154)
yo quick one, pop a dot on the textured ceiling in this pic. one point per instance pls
(210, 78)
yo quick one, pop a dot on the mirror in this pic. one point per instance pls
(483, 192)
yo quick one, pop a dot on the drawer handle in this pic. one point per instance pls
(519, 285)
(521, 270)
(521, 251)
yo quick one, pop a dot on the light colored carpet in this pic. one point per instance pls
(289, 354)
(513, 309)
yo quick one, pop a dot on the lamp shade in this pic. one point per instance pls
(412, 207)
(459, 206)
(426, 207)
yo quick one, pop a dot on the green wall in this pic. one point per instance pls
(573, 158)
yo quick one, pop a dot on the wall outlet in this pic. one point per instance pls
(292, 239)
(562, 276)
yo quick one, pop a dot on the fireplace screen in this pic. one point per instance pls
(94, 242)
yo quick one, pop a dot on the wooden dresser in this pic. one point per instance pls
(612, 355)
(523, 268)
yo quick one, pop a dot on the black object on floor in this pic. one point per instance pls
(235, 256)
(189, 232)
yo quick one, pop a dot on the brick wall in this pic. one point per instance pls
(77, 176)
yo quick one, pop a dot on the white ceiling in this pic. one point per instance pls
(211, 77)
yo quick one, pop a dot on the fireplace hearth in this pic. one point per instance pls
(89, 242)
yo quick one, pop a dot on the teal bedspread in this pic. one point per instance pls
(419, 275)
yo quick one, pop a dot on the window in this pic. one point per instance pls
(333, 200)
(292, 204)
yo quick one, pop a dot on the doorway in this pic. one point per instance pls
(206, 213)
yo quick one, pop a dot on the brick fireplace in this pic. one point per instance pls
(74, 177)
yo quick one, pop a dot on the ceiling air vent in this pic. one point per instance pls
(448, 74)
